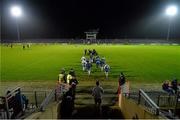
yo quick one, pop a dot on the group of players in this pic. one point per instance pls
(24, 46)
(90, 57)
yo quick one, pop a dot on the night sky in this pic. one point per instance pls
(70, 18)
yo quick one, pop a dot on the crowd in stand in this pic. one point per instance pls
(171, 87)
(17, 103)
(91, 57)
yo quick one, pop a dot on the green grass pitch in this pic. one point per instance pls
(140, 63)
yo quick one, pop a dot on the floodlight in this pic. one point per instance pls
(16, 11)
(171, 10)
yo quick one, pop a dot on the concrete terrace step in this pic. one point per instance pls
(49, 113)
(86, 99)
(86, 96)
(91, 112)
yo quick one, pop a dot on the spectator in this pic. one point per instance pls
(121, 83)
(66, 106)
(17, 107)
(72, 72)
(73, 83)
(25, 101)
(70, 75)
(62, 76)
(97, 93)
(2, 105)
(11, 99)
(174, 85)
(167, 88)
(122, 79)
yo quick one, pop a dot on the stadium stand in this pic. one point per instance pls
(154, 104)
(12, 104)
(14, 99)
(97, 41)
(157, 102)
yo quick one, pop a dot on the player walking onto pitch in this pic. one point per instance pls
(102, 63)
(85, 51)
(91, 58)
(88, 67)
(83, 62)
(83, 58)
(98, 61)
(106, 70)
(94, 52)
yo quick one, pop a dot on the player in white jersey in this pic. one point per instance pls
(106, 70)
(83, 62)
(83, 58)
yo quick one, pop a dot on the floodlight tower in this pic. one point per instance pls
(16, 12)
(171, 11)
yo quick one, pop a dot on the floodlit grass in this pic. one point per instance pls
(140, 63)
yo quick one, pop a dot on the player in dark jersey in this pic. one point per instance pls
(88, 67)
(98, 61)
(102, 63)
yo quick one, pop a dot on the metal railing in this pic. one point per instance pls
(169, 101)
(55, 93)
(38, 100)
(148, 102)
(47, 100)
(60, 89)
(35, 97)
(6, 111)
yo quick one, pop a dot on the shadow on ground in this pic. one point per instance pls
(91, 112)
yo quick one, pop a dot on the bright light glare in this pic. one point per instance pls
(171, 10)
(16, 11)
